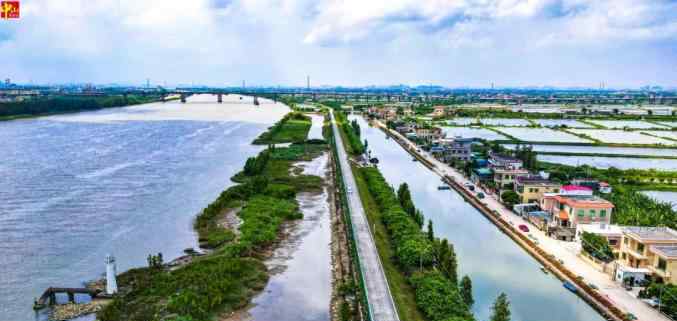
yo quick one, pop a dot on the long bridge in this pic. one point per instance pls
(375, 95)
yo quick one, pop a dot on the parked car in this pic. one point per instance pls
(480, 195)
(651, 302)
(523, 228)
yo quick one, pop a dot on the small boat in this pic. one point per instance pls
(544, 270)
(569, 286)
(443, 187)
(414, 159)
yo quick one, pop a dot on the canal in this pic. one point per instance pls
(492, 260)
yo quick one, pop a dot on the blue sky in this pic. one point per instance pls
(344, 42)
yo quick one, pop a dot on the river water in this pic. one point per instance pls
(126, 181)
(492, 260)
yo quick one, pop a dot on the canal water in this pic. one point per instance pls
(125, 181)
(492, 260)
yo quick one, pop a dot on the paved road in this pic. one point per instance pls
(381, 305)
(565, 251)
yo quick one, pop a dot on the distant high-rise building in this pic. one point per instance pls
(7, 82)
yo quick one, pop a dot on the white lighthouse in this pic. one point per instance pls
(111, 284)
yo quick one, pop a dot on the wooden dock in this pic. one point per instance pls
(48, 297)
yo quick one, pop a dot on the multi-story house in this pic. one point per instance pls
(648, 251)
(571, 210)
(505, 176)
(531, 188)
(455, 149)
(504, 161)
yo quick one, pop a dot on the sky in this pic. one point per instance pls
(452, 43)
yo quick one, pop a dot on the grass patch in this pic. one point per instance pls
(293, 128)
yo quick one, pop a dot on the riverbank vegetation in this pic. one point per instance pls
(350, 131)
(426, 265)
(292, 128)
(67, 104)
(225, 279)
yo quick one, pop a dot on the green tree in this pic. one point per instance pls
(597, 246)
(510, 198)
(431, 234)
(466, 291)
(447, 260)
(501, 309)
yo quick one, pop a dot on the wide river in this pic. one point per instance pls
(491, 259)
(125, 181)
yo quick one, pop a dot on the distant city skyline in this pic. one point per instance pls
(510, 43)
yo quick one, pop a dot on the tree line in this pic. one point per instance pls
(429, 263)
(63, 104)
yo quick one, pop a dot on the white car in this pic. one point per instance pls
(350, 190)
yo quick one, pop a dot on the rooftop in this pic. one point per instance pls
(652, 233)
(574, 188)
(665, 250)
(482, 171)
(504, 158)
(587, 201)
(534, 180)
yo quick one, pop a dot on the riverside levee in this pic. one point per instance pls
(494, 262)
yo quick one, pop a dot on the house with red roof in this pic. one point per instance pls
(571, 210)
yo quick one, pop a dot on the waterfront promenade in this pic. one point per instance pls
(381, 305)
(567, 252)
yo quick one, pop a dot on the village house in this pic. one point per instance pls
(503, 161)
(481, 175)
(454, 149)
(531, 188)
(571, 210)
(505, 176)
(408, 112)
(439, 111)
(429, 133)
(648, 251)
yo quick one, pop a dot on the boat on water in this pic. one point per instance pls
(443, 187)
(544, 270)
(569, 286)
(414, 159)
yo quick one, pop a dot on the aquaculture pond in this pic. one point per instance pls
(618, 162)
(601, 150)
(663, 196)
(572, 123)
(662, 133)
(541, 135)
(462, 121)
(621, 136)
(626, 123)
(672, 124)
(472, 132)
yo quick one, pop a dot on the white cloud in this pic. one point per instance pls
(267, 42)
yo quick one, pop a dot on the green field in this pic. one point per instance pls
(293, 128)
